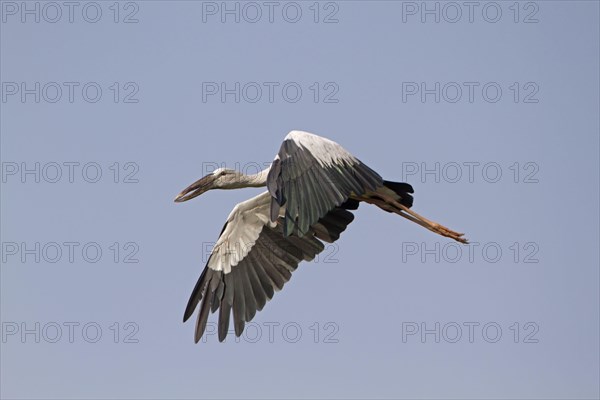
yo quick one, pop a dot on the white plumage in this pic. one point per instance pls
(244, 224)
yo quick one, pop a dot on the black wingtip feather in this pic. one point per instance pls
(226, 304)
(196, 295)
(213, 279)
(239, 307)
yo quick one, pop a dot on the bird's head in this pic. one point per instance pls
(221, 178)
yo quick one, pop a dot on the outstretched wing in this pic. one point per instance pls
(310, 176)
(253, 259)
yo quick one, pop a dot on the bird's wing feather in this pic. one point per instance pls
(311, 175)
(242, 279)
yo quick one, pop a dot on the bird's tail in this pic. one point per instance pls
(403, 190)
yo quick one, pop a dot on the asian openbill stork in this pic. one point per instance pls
(312, 185)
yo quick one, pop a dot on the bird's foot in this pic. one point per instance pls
(442, 230)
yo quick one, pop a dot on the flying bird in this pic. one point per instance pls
(313, 185)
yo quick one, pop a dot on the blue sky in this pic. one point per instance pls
(490, 111)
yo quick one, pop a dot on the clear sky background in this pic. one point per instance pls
(391, 310)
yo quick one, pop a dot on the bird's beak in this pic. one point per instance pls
(196, 189)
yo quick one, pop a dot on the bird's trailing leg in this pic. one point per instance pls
(390, 204)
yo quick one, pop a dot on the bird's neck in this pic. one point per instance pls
(256, 180)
